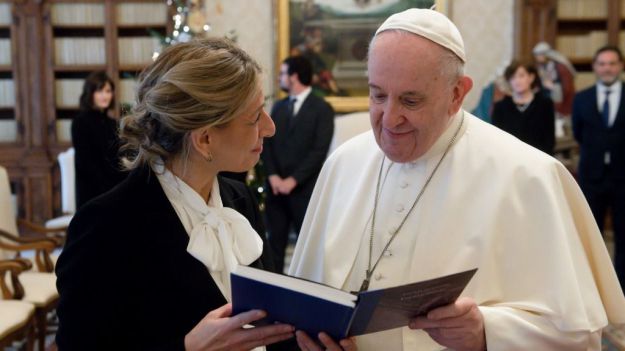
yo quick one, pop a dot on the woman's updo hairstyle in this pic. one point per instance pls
(205, 82)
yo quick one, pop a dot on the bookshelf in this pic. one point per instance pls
(8, 123)
(47, 49)
(576, 28)
(106, 35)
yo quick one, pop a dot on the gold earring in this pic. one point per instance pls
(209, 157)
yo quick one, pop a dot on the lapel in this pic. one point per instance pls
(230, 199)
(162, 218)
(621, 109)
(281, 119)
(595, 103)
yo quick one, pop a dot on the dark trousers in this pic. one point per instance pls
(284, 212)
(608, 194)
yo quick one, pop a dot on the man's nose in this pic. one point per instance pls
(392, 114)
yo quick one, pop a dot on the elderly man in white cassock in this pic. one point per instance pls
(432, 190)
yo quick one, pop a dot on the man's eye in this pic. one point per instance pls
(378, 97)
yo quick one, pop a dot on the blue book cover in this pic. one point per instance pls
(314, 307)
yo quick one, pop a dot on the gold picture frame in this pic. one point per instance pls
(341, 104)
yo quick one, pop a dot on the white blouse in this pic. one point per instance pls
(219, 237)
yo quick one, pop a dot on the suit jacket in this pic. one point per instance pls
(301, 143)
(98, 170)
(125, 278)
(534, 126)
(595, 138)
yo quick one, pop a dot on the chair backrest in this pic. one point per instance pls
(68, 181)
(8, 222)
(348, 126)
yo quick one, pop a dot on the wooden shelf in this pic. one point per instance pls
(581, 60)
(78, 68)
(6, 68)
(132, 68)
(580, 26)
(7, 113)
(582, 19)
(78, 26)
(142, 26)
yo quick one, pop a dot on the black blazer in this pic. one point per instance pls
(534, 126)
(595, 138)
(96, 144)
(301, 143)
(125, 279)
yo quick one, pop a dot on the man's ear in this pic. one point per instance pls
(459, 91)
(200, 140)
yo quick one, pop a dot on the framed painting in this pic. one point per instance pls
(334, 35)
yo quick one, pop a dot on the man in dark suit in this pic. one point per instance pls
(294, 156)
(599, 127)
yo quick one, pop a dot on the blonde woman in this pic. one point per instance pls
(146, 266)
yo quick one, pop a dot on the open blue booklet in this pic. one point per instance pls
(314, 307)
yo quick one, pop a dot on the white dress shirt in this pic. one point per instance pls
(219, 237)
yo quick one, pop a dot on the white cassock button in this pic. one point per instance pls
(377, 276)
(399, 208)
(403, 185)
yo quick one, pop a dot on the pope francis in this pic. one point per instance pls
(432, 190)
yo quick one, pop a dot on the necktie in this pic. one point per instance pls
(292, 101)
(605, 113)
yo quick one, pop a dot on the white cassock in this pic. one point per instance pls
(544, 280)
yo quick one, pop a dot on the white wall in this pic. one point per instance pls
(252, 20)
(487, 28)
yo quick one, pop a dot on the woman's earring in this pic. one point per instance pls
(209, 157)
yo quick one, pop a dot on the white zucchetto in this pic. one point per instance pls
(429, 24)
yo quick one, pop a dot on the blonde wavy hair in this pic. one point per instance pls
(205, 82)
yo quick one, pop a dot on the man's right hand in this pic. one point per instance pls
(218, 331)
(275, 182)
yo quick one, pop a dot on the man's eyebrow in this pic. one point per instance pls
(412, 93)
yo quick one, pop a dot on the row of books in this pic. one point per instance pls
(7, 93)
(77, 14)
(64, 130)
(68, 91)
(8, 131)
(5, 51)
(91, 51)
(94, 14)
(584, 80)
(5, 14)
(142, 13)
(583, 45)
(137, 50)
(127, 90)
(79, 51)
(582, 8)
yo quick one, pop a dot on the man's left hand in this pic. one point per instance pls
(459, 325)
(288, 184)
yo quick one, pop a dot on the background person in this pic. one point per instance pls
(95, 140)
